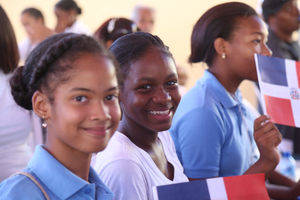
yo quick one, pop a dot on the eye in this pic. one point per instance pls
(257, 41)
(172, 83)
(80, 99)
(144, 88)
(111, 97)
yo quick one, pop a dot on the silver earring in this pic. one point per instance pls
(223, 55)
(44, 123)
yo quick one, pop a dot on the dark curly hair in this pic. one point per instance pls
(129, 48)
(46, 65)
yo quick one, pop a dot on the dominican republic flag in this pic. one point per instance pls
(246, 187)
(279, 82)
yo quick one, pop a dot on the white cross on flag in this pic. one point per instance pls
(279, 83)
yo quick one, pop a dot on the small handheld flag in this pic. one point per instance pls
(279, 82)
(246, 187)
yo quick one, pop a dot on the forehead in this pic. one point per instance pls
(145, 12)
(250, 26)
(92, 69)
(26, 16)
(154, 64)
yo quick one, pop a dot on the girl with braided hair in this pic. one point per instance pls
(69, 80)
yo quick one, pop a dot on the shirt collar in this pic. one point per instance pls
(58, 178)
(219, 92)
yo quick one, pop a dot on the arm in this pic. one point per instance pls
(284, 193)
(198, 139)
(126, 180)
(279, 179)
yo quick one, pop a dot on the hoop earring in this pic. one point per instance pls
(223, 56)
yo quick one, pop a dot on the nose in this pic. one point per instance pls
(100, 112)
(161, 96)
(266, 51)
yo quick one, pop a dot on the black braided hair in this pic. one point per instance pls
(129, 48)
(45, 66)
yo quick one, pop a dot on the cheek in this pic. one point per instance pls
(69, 115)
(175, 97)
(115, 113)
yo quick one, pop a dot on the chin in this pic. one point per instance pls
(162, 127)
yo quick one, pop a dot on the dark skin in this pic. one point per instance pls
(285, 21)
(248, 38)
(65, 18)
(149, 98)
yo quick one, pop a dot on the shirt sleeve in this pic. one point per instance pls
(21, 188)
(199, 142)
(126, 180)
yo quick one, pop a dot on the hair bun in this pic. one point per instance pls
(19, 90)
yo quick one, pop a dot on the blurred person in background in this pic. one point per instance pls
(36, 30)
(144, 17)
(182, 78)
(114, 28)
(15, 122)
(282, 17)
(66, 12)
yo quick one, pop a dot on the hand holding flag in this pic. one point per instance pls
(267, 138)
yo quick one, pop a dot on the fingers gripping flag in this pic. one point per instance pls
(279, 82)
(246, 187)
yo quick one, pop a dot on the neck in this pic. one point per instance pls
(229, 81)
(42, 33)
(282, 34)
(140, 136)
(77, 162)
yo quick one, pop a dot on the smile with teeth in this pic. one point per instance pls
(165, 112)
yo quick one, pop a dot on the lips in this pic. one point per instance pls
(97, 131)
(161, 114)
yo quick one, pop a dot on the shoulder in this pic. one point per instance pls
(118, 148)
(19, 187)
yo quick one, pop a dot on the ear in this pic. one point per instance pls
(41, 105)
(220, 46)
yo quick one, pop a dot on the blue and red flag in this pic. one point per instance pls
(246, 187)
(279, 82)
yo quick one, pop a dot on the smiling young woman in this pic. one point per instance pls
(141, 153)
(70, 81)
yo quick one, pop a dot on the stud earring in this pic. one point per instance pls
(223, 55)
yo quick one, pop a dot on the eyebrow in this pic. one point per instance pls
(116, 88)
(91, 91)
(150, 79)
(82, 89)
(257, 33)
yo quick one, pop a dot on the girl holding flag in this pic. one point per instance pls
(212, 129)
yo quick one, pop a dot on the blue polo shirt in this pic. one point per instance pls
(213, 131)
(57, 181)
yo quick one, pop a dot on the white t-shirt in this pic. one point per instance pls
(78, 27)
(15, 126)
(130, 172)
(25, 47)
